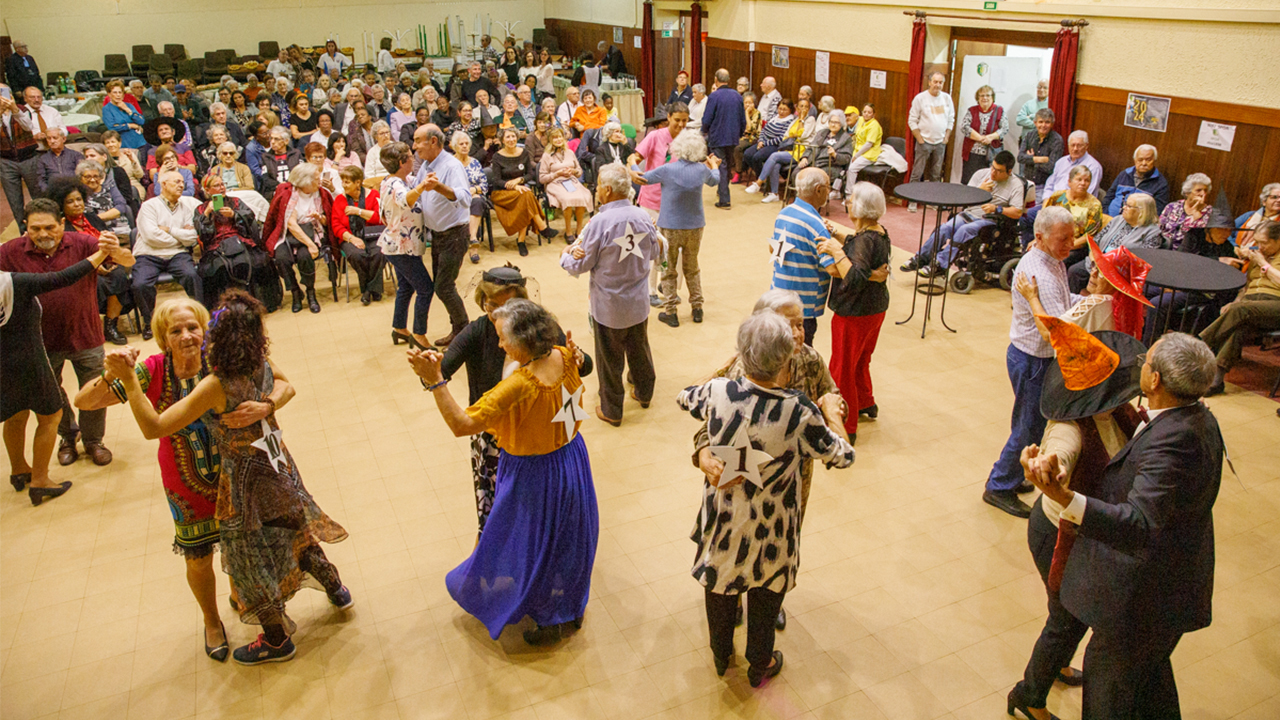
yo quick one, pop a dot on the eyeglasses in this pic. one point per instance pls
(1142, 359)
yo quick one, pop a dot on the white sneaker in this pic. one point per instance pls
(771, 197)
(911, 207)
(753, 188)
(833, 195)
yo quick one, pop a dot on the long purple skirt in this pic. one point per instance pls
(539, 544)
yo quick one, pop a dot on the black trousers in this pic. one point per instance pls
(448, 248)
(1062, 632)
(726, 169)
(368, 263)
(1128, 675)
(810, 329)
(146, 271)
(290, 252)
(762, 613)
(617, 350)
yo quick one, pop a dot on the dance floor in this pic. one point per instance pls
(915, 599)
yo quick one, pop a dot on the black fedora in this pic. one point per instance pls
(150, 131)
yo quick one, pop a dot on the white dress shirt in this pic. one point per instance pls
(52, 119)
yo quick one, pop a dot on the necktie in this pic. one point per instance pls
(40, 118)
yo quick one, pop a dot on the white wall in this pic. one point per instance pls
(75, 34)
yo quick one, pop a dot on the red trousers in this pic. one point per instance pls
(853, 339)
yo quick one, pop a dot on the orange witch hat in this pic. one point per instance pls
(1085, 360)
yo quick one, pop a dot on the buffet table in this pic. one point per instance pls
(628, 101)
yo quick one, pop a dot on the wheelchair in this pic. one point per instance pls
(990, 258)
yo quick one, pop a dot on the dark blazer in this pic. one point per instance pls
(724, 119)
(817, 151)
(1144, 555)
(1154, 185)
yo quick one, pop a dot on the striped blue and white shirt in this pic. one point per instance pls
(802, 268)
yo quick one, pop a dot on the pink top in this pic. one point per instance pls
(653, 148)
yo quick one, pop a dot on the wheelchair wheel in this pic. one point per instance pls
(1006, 274)
(962, 282)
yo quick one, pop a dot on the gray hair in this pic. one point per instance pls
(281, 132)
(615, 177)
(396, 154)
(457, 138)
(809, 180)
(866, 201)
(1146, 206)
(56, 129)
(744, 80)
(304, 174)
(689, 145)
(1155, 154)
(1045, 114)
(1079, 135)
(1193, 180)
(1049, 218)
(228, 145)
(722, 76)
(1185, 363)
(1266, 190)
(528, 326)
(283, 84)
(379, 127)
(218, 105)
(87, 166)
(765, 344)
(225, 79)
(607, 131)
(700, 88)
(777, 299)
(804, 89)
(136, 80)
(217, 128)
(826, 104)
(1077, 170)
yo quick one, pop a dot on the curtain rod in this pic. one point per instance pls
(1064, 23)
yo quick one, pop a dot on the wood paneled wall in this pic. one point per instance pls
(849, 76)
(574, 37)
(1254, 159)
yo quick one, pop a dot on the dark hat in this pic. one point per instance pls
(1103, 371)
(508, 275)
(659, 117)
(180, 87)
(1220, 216)
(150, 134)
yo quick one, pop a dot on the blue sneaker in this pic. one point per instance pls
(260, 651)
(342, 599)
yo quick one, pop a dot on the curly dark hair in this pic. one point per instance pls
(238, 343)
(60, 186)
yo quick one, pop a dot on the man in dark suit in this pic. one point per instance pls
(1141, 571)
(723, 122)
(22, 71)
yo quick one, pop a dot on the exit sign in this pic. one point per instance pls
(989, 5)
(667, 33)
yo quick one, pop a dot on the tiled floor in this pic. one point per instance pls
(915, 599)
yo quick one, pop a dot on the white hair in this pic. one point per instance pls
(219, 105)
(765, 344)
(615, 177)
(1193, 180)
(229, 146)
(826, 103)
(163, 104)
(378, 127)
(866, 201)
(777, 299)
(457, 139)
(690, 146)
(608, 130)
(282, 132)
(304, 174)
(56, 129)
(1079, 135)
(809, 180)
(1266, 190)
(1049, 218)
(699, 87)
(283, 84)
(1155, 154)
(86, 166)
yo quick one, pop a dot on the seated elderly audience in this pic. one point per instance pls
(1189, 213)
(1085, 209)
(125, 159)
(231, 254)
(421, 116)
(220, 115)
(1077, 154)
(172, 132)
(105, 202)
(868, 138)
(749, 135)
(278, 161)
(1250, 221)
(614, 146)
(373, 169)
(832, 147)
(356, 227)
(772, 134)
(1142, 177)
(183, 138)
(166, 234)
(793, 146)
(168, 162)
(114, 178)
(1039, 151)
(296, 231)
(59, 160)
(207, 156)
(122, 116)
(1135, 228)
(561, 175)
(1255, 310)
(478, 181)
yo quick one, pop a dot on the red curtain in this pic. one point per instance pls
(646, 58)
(695, 47)
(915, 76)
(1062, 80)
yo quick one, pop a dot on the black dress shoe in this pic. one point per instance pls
(1016, 703)
(722, 206)
(757, 679)
(524, 249)
(1007, 500)
(365, 298)
(722, 664)
(697, 315)
(781, 622)
(19, 481)
(40, 494)
(111, 331)
(1075, 679)
(870, 412)
(1024, 487)
(669, 319)
(220, 652)
(312, 303)
(543, 635)
(146, 331)
(297, 300)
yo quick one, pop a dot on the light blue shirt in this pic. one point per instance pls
(1062, 171)
(439, 213)
(682, 183)
(619, 295)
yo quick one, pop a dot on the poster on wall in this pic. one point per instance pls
(617, 36)
(636, 42)
(1216, 135)
(1147, 112)
(822, 67)
(781, 57)
(879, 78)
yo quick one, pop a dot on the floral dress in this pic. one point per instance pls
(1175, 222)
(271, 527)
(402, 234)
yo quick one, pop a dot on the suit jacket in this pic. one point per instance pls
(1144, 556)
(724, 119)
(22, 74)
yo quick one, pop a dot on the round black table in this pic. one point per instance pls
(1185, 272)
(940, 196)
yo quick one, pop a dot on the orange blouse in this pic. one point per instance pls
(519, 411)
(594, 118)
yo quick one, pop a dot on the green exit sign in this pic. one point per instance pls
(989, 5)
(668, 33)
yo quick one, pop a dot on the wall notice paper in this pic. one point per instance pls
(617, 36)
(879, 78)
(822, 67)
(637, 41)
(1216, 135)
(781, 56)
(1147, 112)
(668, 25)
(1014, 80)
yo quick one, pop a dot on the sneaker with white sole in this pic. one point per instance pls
(341, 599)
(260, 651)
(770, 198)
(911, 207)
(752, 189)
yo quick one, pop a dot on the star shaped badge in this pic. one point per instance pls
(741, 460)
(271, 443)
(778, 249)
(629, 243)
(571, 412)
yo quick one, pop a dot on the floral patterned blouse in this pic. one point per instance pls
(476, 177)
(1175, 222)
(403, 232)
(1087, 213)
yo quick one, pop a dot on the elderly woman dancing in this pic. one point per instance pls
(748, 533)
(539, 543)
(270, 527)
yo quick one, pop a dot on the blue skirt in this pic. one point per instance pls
(539, 544)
